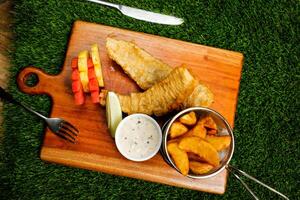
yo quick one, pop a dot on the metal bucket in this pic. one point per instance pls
(225, 155)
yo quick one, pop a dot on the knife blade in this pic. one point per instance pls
(143, 14)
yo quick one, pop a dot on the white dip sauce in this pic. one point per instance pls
(138, 137)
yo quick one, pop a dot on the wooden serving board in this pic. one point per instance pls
(95, 150)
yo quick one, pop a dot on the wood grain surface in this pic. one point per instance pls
(96, 150)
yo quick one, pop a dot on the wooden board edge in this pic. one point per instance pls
(238, 89)
(79, 23)
(53, 155)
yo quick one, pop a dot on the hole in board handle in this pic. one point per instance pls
(31, 79)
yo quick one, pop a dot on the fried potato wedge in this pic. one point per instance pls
(200, 147)
(211, 131)
(198, 130)
(200, 168)
(189, 119)
(210, 124)
(177, 129)
(180, 157)
(176, 140)
(219, 142)
(195, 157)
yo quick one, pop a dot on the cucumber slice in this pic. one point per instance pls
(113, 112)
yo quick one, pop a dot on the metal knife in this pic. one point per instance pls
(142, 14)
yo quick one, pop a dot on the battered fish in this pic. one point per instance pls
(163, 97)
(143, 68)
(146, 70)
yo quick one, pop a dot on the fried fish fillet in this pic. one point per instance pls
(201, 96)
(146, 70)
(163, 97)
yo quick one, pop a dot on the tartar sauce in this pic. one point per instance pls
(138, 137)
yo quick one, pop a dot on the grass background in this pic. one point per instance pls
(267, 118)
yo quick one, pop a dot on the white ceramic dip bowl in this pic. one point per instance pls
(138, 137)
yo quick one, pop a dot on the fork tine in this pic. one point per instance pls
(63, 126)
(70, 125)
(63, 132)
(64, 137)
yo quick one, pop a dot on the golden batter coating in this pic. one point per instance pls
(137, 63)
(165, 96)
(146, 71)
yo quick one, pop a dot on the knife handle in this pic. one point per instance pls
(117, 6)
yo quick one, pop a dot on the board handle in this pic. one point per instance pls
(44, 83)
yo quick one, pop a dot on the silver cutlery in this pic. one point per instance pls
(58, 126)
(142, 14)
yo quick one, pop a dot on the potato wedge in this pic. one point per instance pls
(211, 131)
(177, 129)
(176, 140)
(219, 142)
(195, 157)
(200, 168)
(189, 119)
(210, 124)
(198, 130)
(180, 157)
(200, 147)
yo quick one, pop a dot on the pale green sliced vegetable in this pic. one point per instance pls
(113, 112)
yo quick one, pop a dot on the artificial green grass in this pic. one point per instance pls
(267, 118)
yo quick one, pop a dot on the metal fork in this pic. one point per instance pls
(58, 126)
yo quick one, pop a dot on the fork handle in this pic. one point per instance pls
(9, 98)
(6, 96)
